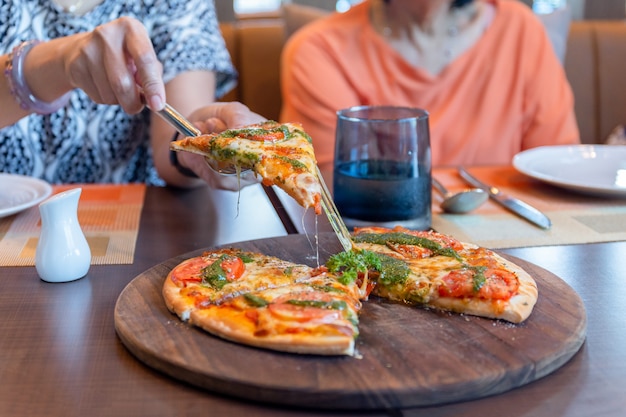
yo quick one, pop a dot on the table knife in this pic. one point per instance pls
(522, 209)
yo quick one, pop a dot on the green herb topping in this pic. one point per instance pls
(246, 258)
(393, 271)
(479, 278)
(350, 264)
(405, 239)
(294, 162)
(214, 275)
(255, 300)
(327, 305)
(257, 132)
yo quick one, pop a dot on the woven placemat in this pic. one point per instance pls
(109, 217)
(576, 217)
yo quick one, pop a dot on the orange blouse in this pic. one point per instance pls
(505, 94)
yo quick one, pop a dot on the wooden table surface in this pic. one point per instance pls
(60, 355)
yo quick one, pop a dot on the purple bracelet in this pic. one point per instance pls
(14, 71)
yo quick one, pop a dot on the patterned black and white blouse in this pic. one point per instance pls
(88, 142)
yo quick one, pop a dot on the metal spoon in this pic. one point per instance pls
(461, 202)
(184, 126)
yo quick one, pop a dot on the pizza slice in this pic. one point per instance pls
(281, 154)
(262, 301)
(225, 273)
(435, 270)
(318, 316)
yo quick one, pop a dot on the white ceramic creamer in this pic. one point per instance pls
(62, 251)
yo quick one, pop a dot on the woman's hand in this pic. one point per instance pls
(221, 116)
(112, 64)
(212, 119)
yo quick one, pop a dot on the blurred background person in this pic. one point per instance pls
(485, 71)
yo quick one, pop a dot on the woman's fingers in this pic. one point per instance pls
(148, 70)
(114, 62)
(220, 116)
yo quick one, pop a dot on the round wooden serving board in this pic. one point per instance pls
(410, 356)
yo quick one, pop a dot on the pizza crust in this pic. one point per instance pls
(515, 310)
(230, 324)
(226, 317)
(181, 306)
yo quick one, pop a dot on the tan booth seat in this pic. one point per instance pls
(595, 64)
(255, 47)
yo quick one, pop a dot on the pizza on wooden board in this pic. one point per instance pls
(281, 154)
(434, 270)
(266, 302)
(263, 301)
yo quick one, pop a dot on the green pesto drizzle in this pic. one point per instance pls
(294, 162)
(255, 300)
(326, 305)
(393, 271)
(478, 278)
(406, 239)
(214, 275)
(301, 132)
(246, 258)
(328, 288)
(259, 131)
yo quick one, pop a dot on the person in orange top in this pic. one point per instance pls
(485, 71)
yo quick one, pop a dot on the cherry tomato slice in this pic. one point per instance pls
(283, 309)
(233, 267)
(188, 271)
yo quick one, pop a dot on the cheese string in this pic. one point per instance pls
(315, 246)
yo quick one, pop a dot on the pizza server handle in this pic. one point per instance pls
(175, 119)
(178, 122)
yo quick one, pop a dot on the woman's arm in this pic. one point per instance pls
(107, 63)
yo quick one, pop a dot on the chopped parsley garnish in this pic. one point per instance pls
(349, 264)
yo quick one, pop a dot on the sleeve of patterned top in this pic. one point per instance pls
(187, 37)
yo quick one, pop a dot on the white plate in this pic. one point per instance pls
(592, 169)
(18, 192)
